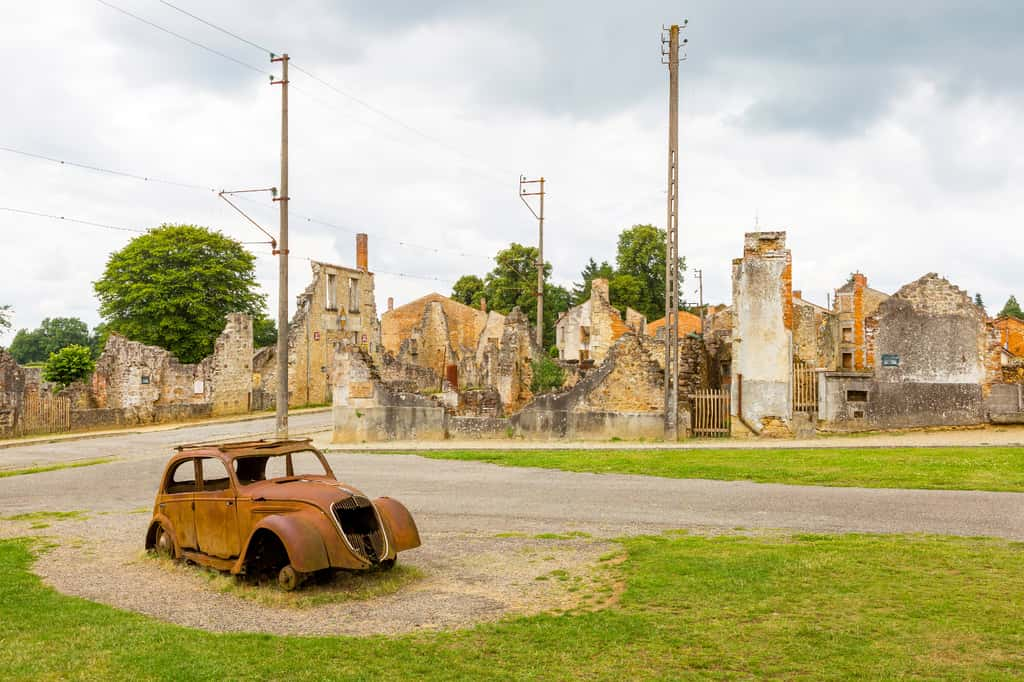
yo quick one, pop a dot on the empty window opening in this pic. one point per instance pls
(332, 292)
(353, 295)
(847, 334)
(847, 360)
(858, 414)
(856, 396)
(183, 478)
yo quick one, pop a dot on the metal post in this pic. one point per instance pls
(672, 243)
(540, 248)
(282, 284)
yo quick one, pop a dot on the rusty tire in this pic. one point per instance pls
(288, 578)
(387, 564)
(163, 544)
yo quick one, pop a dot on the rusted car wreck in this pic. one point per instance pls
(272, 509)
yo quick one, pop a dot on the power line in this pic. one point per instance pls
(109, 171)
(181, 37)
(71, 220)
(216, 27)
(188, 185)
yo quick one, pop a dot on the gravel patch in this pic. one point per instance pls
(465, 579)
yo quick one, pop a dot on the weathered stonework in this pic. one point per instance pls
(586, 332)
(338, 305)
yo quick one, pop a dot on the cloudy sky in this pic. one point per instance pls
(884, 137)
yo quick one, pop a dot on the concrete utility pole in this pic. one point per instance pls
(540, 248)
(282, 251)
(671, 57)
(700, 290)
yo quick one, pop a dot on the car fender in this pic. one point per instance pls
(301, 539)
(161, 520)
(398, 524)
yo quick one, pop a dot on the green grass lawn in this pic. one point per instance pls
(6, 473)
(789, 607)
(976, 468)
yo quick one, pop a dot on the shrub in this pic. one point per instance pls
(69, 364)
(547, 375)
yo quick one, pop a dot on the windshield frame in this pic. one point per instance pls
(242, 483)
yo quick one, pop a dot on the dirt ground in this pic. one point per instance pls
(459, 579)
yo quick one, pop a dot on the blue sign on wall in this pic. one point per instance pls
(890, 361)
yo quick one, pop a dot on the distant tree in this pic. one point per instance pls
(69, 364)
(641, 253)
(1012, 309)
(98, 339)
(557, 299)
(5, 317)
(513, 281)
(51, 335)
(592, 271)
(547, 375)
(264, 331)
(978, 301)
(469, 289)
(173, 286)
(628, 291)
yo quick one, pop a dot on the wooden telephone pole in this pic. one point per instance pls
(671, 57)
(282, 252)
(540, 248)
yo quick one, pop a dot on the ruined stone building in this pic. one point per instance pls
(924, 356)
(1011, 334)
(855, 304)
(338, 306)
(138, 384)
(586, 332)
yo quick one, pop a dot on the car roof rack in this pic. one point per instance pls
(237, 445)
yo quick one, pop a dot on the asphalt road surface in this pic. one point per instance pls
(467, 496)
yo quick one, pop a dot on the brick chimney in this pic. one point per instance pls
(797, 293)
(362, 253)
(599, 288)
(391, 303)
(860, 280)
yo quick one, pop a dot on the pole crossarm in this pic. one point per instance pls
(224, 194)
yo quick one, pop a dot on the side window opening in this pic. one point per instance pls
(215, 476)
(182, 478)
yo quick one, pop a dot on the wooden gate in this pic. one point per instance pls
(709, 414)
(805, 387)
(48, 414)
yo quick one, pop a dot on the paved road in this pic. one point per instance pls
(470, 496)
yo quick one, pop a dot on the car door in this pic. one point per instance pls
(216, 511)
(178, 501)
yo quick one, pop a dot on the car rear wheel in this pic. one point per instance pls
(163, 543)
(288, 578)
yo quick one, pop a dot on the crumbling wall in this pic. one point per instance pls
(12, 391)
(762, 338)
(587, 331)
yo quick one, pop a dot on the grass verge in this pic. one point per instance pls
(791, 607)
(345, 586)
(974, 468)
(56, 467)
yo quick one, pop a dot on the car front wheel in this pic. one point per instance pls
(163, 544)
(288, 578)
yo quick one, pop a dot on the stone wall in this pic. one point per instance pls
(464, 324)
(587, 331)
(762, 337)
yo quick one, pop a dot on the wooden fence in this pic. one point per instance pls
(48, 414)
(709, 416)
(805, 387)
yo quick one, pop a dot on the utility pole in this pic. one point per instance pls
(282, 252)
(700, 294)
(540, 248)
(671, 57)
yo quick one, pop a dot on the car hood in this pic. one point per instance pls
(320, 491)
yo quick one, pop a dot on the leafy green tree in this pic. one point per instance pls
(547, 375)
(513, 281)
(628, 291)
(469, 289)
(557, 300)
(264, 331)
(5, 317)
(592, 271)
(1012, 309)
(98, 339)
(69, 364)
(51, 335)
(173, 286)
(641, 253)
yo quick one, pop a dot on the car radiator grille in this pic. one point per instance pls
(359, 523)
